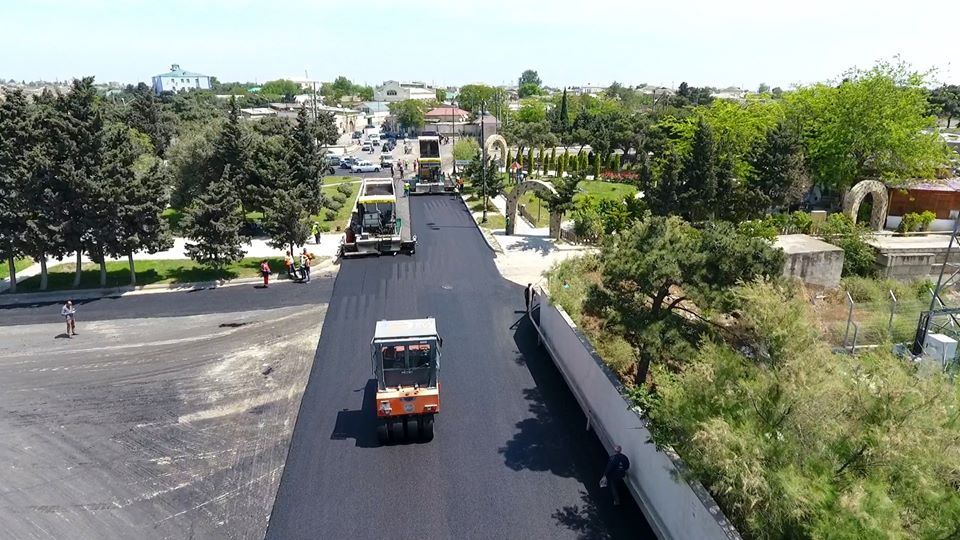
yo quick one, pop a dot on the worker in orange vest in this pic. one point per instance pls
(265, 272)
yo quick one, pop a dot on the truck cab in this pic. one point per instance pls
(405, 358)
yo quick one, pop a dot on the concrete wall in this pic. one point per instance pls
(820, 268)
(674, 508)
(905, 266)
(938, 224)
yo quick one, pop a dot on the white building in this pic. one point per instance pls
(179, 80)
(399, 91)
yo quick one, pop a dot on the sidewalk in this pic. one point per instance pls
(257, 247)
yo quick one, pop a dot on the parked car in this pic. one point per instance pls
(375, 141)
(365, 166)
(347, 162)
(357, 135)
(389, 146)
(387, 159)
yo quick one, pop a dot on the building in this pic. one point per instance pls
(400, 91)
(346, 120)
(942, 197)
(179, 80)
(446, 114)
(256, 113)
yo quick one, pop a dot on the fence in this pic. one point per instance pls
(853, 325)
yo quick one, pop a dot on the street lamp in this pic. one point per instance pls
(483, 163)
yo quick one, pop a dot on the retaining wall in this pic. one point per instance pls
(674, 508)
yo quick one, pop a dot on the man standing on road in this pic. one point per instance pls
(315, 230)
(617, 467)
(305, 259)
(288, 264)
(69, 314)
(265, 272)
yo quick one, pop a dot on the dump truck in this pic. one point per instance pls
(430, 177)
(406, 364)
(379, 222)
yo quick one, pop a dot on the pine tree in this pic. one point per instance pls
(307, 163)
(16, 142)
(146, 115)
(563, 116)
(230, 148)
(552, 163)
(213, 223)
(74, 165)
(699, 191)
(297, 192)
(562, 164)
(664, 194)
(779, 172)
(596, 167)
(616, 163)
(140, 221)
(530, 161)
(542, 156)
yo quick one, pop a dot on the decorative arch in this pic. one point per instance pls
(854, 197)
(513, 199)
(496, 141)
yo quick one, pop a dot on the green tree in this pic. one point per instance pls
(560, 122)
(325, 128)
(212, 223)
(945, 102)
(531, 111)
(281, 87)
(529, 76)
(552, 162)
(527, 134)
(472, 95)
(146, 115)
(409, 113)
(779, 168)
(465, 149)
(528, 90)
(542, 158)
(231, 148)
(441, 95)
(698, 196)
(874, 124)
(17, 139)
(486, 180)
(567, 188)
(662, 191)
(529, 163)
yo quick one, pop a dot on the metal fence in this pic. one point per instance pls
(870, 324)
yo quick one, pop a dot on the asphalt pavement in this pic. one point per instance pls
(511, 457)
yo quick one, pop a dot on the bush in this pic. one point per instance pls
(345, 189)
(587, 224)
(913, 221)
(859, 258)
(332, 204)
(330, 215)
(339, 197)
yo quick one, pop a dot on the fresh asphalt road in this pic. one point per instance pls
(511, 457)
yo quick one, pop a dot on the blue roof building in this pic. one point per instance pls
(180, 80)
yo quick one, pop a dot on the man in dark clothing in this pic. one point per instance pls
(617, 468)
(528, 296)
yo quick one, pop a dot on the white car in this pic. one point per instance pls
(366, 147)
(387, 159)
(365, 166)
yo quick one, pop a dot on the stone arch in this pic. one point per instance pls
(495, 141)
(854, 197)
(513, 198)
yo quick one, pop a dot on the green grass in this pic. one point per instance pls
(605, 190)
(494, 221)
(334, 180)
(19, 264)
(530, 200)
(173, 217)
(170, 271)
(338, 222)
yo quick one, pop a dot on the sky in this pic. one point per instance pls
(705, 43)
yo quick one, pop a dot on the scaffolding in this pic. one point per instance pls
(941, 318)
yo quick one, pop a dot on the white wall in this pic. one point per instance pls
(180, 84)
(938, 224)
(674, 508)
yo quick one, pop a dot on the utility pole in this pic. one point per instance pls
(483, 164)
(453, 136)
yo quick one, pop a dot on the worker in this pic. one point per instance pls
(265, 272)
(305, 260)
(617, 467)
(528, 296)
(288, 264)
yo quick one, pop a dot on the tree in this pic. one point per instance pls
(662, 193)
(561, 120)
(552, 162)
(530, 161)
(230, 148)
(17, 139)
(409, 113)
(528, 89)
(281, 87)
(945, 102)
(566, 188)
(656, 265)
(531, 111)
(699, 181)
(486, 179)
(779, 168)
(441, 95)
(528, 134)
(542, 157)
(212, 223)
(472, 95)
(529, 77)
(147, 116)
(874, 124)
(466, 149)
(763, 88)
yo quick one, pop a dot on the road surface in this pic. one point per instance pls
(511, 457)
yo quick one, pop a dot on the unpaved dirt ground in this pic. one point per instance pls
(150, 428)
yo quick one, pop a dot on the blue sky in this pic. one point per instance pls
(740, 43)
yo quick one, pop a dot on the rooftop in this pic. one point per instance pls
(448, 111)
(802, 243)
(175, 71)
(405, 329)
(946, 185)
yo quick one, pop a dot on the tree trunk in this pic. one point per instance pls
(949, 119)
(133, 271)
(13, 274)
(76, 275)
(657, 303)
(643, 367)
(43, 272)
(103, 272)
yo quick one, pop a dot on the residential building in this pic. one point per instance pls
(446, 114)
(180, 80)
(346, 120)
(256, 113)
(400, 91)
(942, 197)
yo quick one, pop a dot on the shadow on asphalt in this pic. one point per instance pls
(554, 439)
(359, 425)
(540, 244)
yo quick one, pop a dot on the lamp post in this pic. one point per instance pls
(453, 135)
(483, 164)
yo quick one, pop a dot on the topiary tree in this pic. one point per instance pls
(530, 161)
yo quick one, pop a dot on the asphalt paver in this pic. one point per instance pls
(511, 457)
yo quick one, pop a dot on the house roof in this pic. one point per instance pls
(447, 112)
(175, 71)
(948, 184)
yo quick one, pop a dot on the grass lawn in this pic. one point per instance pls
(173, 217)
(334, 180)
(605, 190)
(338, 222)
(530, 200)
(159, 271)
(494, 221)
(19, 264)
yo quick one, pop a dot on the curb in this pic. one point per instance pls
(15, 299)
(487, 237)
